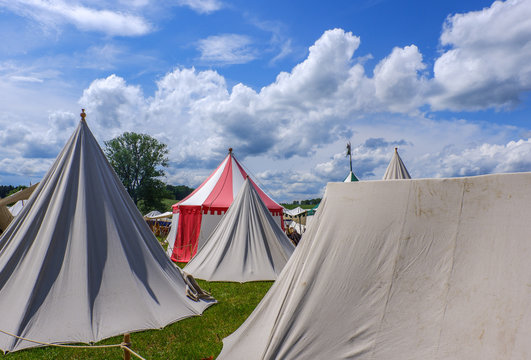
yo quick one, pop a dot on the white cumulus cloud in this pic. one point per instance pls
(56, 12)
(486, 63)
(514, 156)
(325, 98)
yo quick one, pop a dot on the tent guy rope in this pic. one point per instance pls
(123, 345)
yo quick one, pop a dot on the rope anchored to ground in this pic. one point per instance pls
(125, 345)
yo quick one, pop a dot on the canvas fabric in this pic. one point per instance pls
(79, 263)
(406, 269)
(212, 199)
(350, 177)
(246, 245)
(396, 169)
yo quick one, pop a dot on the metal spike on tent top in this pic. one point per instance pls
(83, 115)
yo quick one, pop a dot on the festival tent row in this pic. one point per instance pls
(246, 245)
(196, 216)
(415, 269)
(79, 263)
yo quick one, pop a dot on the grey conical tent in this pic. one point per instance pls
(79, 264)
(396, 168)
(246, 245)
(418, 269)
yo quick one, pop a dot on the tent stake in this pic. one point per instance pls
(127, 345)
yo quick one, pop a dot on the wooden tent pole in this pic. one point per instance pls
(127, 345)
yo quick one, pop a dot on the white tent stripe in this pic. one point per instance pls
(202, 194)
(237, 178)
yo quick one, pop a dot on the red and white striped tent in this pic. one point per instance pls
(196, 216)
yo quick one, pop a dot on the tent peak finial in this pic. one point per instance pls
(83, 115)
(396, 150)
(230, 150)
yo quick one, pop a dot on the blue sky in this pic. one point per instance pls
(286, 84)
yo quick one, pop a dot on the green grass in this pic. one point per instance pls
(293, 206)
(194, 338)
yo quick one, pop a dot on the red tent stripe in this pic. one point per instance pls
(221, 196)
(175, 206)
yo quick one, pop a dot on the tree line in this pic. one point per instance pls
(307, 202)
(6, 190)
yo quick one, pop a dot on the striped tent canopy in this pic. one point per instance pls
(196, 216)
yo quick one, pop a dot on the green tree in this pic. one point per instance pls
(138, 160)
(6, 190)
(179, 192)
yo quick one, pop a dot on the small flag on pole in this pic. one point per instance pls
(349, 153)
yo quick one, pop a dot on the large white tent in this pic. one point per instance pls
(396, 168)
(246, 245)
(79, 263)
(196, 216)
(415, 269)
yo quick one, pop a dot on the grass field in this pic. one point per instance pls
(193, 338)
(293, 206)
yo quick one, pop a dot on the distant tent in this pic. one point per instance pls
(420, 269)
(312, 211)
(351, 177)
(298, 227)
(152, 214)
(6, 214)
(199, 213)
(396, 168)
(247, 244)
(79, 263)
(159, 223)
(17, 207)
(294, 212)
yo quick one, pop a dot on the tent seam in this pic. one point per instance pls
(393, 274)
(454, 250)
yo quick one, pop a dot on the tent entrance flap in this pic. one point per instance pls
(187, 233)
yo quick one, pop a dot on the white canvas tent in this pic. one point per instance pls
(16, 208)
(170, 239)
(246, 245)
(298, 227)
(79, 263)
(416, 269)
(396, 168)
(294, 212)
